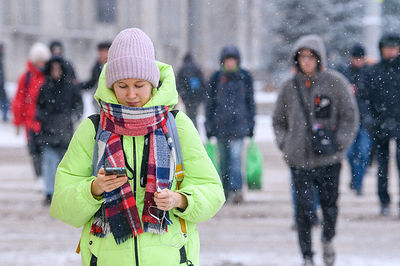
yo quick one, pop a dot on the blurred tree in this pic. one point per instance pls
(338, 22)
(391, 16)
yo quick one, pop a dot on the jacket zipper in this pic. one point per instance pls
(134, 195)
(133, 170)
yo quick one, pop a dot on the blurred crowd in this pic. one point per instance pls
(322, 116)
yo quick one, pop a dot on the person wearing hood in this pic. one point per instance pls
(230, 112)
(57, 49)
(59, 107)
(23, 106)
(190, 85)
(383, 117)
(148, 214)
(315, 101)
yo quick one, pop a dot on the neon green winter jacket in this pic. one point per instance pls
(74, 204)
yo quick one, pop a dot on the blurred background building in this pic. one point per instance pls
(264, 30)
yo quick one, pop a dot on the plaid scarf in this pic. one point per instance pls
(118, 214)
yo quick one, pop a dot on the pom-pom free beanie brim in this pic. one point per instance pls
(131, 55)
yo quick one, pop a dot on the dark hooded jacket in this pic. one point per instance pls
(190, 83)
(59, 105)
(329, 103)
(230, 107)
(383, 94)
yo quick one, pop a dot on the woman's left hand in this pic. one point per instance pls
(167, 199)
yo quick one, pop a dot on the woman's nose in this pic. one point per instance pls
(131, 93)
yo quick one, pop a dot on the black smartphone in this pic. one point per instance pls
(119, 171)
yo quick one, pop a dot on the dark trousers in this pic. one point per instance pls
(325, 182)
(35, 150)
(382, 156)
(192, 108)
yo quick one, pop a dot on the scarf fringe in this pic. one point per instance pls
(154, 228)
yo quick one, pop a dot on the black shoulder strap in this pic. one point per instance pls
(96, 121)
(95, 118)
(303, 106)
(27, 79)
(174, 112)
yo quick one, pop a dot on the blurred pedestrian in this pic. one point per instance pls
(315, 102)
(146, 216)
(359, 152)
(91, 84)
(190, 85)
(59, 106)
(230, 112)
(3, 95)
(383, 119)
(25, 101)
(57, 49)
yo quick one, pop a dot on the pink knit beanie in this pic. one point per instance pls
(131, 55)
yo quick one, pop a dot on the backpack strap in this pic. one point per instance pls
(95, 118)
(171, 125)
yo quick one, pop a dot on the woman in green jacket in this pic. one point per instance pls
(143, 217)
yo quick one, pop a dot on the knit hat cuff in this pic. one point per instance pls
(132, 67)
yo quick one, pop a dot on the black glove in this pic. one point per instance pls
(251, 133)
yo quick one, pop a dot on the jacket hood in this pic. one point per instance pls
(166, 94)
(312, 42)
(230, 51)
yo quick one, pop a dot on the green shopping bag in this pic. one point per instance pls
(212, 151)
(254, 166)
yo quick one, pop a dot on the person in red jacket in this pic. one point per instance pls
(25, 100)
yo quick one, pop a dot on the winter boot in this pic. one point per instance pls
(308, 261)
(329, 253)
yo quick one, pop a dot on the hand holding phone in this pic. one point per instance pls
(118, 171)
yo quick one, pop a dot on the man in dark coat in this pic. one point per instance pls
(190, 85)
(230, 112)
(59, 106)
(383, 118)
(359, 152)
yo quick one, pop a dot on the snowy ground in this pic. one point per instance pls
(255, 233)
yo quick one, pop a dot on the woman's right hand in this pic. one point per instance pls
(106, 183)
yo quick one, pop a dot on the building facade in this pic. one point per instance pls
(175, 26)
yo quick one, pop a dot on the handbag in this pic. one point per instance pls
(323, 139)
(254, 165)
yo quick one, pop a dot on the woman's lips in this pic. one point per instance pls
(132, 103)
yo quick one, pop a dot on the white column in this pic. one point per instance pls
(372, 27)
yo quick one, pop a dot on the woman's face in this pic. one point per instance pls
(132, 92)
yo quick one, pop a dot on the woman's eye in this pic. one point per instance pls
(139, 86)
